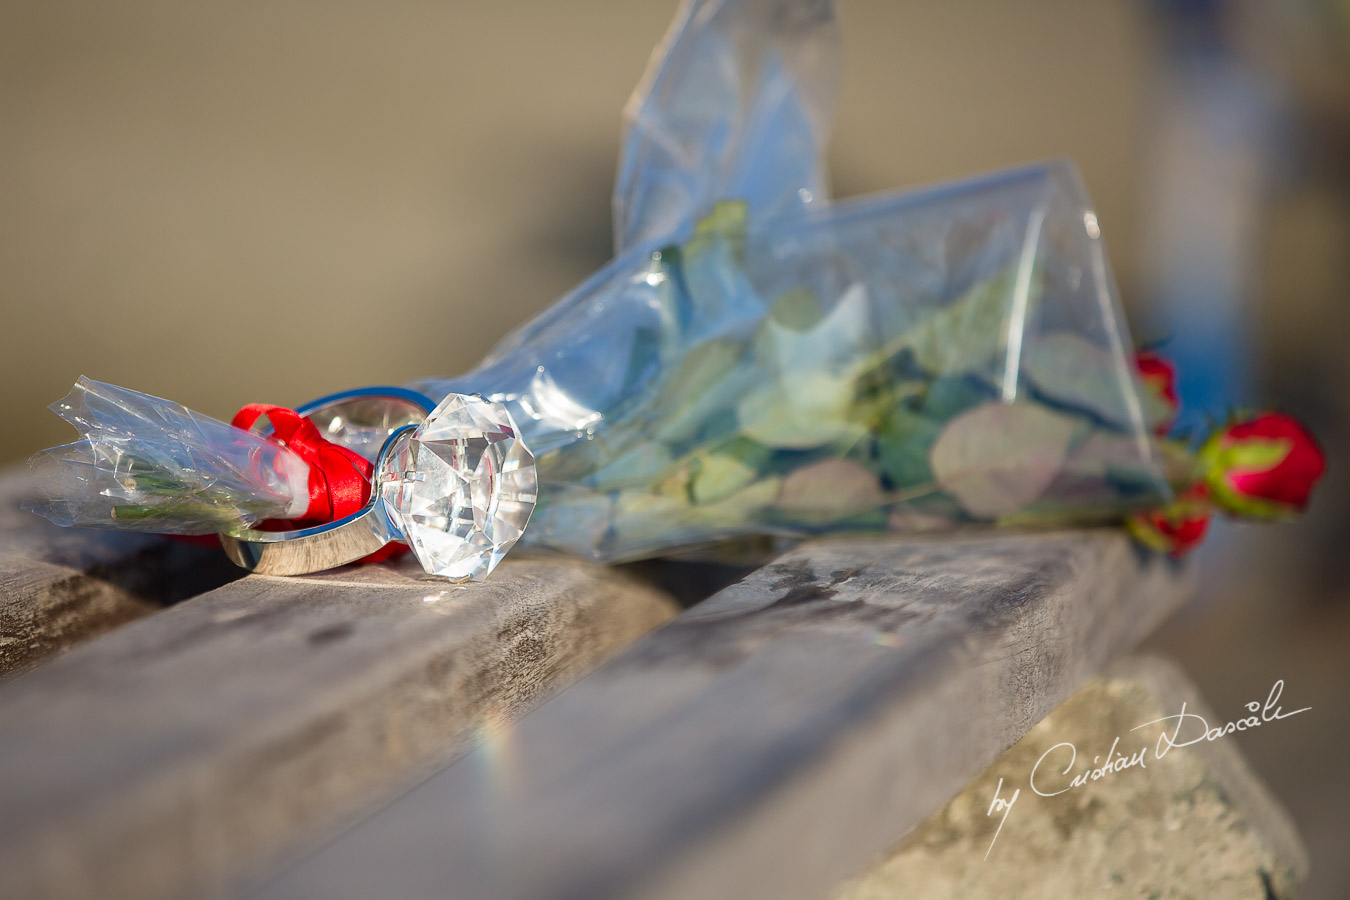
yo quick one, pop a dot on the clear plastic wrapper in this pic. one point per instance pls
(784, 365)
(914, 361)
(146, 464)
(736, 103)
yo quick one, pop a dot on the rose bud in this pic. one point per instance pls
(1159, 376)
(1262, 468)
(1177, 528)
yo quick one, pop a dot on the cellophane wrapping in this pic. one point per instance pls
(783, 364)
(147, 464)
(913, 362)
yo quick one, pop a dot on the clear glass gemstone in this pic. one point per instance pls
(461, 487)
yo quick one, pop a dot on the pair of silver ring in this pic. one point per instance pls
(342, 541)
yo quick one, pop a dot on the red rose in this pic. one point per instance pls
(1262, 468)
(1175, 529)
(1159, 376)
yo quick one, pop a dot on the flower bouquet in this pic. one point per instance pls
(755, 360)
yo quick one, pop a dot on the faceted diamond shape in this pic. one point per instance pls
(461, 487)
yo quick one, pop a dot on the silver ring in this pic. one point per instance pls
(334, 403)
(305, 550)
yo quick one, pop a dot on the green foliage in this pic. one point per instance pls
(1076, 373)
(796, 411)
(999, 457)
(966, 334)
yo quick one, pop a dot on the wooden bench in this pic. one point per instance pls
(170, 729)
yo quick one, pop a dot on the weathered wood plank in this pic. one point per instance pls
(1196, 822)
(158, 759)
(773, 740)
(60, 586)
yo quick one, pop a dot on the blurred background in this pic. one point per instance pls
(225, 203)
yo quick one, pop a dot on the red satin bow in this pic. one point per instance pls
(339, 479)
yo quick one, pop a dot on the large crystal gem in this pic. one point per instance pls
(461, 487)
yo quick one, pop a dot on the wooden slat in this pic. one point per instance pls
(160, 758)
(60, 586)
(774, 739)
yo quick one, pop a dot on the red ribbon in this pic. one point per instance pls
(339, 479)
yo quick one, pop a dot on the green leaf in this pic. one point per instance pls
(129, 511)
(641, 465)
(719, 476)
(643, 521)
(745, 506)
(808, 381)
(574, 461)
(713, 271)
(801, 411)
(796, 310)
(950, 395)
(830, 489)
(728, 217)
(832, 345)
(907, 431)
(727, 469)
(997, 458)
(640, 520)
(1076, 372)
(970, 331)
(710, 376)
(903, 445)
(570, 518)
